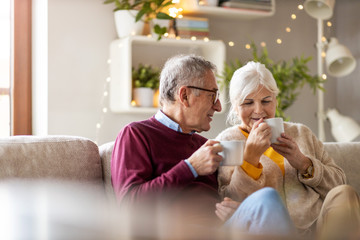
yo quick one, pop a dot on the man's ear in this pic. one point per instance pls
(184, 96)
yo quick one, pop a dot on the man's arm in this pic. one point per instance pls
(132, 168)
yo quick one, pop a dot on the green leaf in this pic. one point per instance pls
(109, 1)
(140, 14)
(162, 15)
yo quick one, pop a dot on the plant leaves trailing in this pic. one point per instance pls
(148, 10)
(290, 77)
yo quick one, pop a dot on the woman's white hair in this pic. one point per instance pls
(245, 81)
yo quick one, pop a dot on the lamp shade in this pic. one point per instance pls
(319, 9)
(339, 60)
(343, 129)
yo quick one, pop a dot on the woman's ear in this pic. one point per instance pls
(184, 95)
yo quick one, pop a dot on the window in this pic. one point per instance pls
(5, 68)
(15, 67)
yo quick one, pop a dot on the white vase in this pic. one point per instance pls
(144, 97)
(125, 23)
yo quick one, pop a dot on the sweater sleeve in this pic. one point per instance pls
(327, 174)
(235, 182)
(132, 168)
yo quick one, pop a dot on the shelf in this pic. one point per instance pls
(191, 7)
(131, 51)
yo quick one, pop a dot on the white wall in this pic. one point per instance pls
(80, 31)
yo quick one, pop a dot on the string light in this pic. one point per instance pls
(287, 29)
(323, 54)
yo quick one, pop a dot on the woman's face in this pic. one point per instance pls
(259, 104)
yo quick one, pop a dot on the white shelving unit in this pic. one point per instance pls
(131, 51)
(191, 7)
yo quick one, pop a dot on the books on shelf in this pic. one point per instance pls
(188, 27)
(260, 5)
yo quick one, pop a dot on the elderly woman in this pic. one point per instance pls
(297, 166)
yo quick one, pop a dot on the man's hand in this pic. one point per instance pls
(206, 159)
(226, 208)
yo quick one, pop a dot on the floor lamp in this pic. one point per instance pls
(339, 61)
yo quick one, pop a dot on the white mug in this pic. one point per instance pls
(277, 127)
(232, 152)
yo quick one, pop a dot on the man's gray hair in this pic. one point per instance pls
(182, 70)
(245, 81)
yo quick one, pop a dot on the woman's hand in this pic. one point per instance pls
(226, 208)
(288, 148)
(257, 142)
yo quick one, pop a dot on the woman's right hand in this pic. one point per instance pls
(257, 143)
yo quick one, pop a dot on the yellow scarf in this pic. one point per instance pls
(272, 154)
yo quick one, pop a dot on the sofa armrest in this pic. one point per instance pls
(55, 157)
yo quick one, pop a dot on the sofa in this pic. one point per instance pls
(69, 178)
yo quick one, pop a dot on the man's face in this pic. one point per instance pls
(202, 107)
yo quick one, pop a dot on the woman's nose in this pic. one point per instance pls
(258, 108)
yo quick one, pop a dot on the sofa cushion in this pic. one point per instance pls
(56, 157)
(347, 156)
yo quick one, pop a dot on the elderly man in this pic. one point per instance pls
(164, 156)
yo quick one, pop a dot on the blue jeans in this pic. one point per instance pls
(263, 212)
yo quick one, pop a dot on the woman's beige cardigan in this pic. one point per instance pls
(302, 197)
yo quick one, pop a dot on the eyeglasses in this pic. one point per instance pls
(214, 98)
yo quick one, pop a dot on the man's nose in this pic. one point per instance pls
(217, 106)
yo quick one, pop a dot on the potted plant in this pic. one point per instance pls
(145, 12)
(145, 79)
(290, 77)
(125, 12)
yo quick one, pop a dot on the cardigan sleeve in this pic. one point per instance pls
(234, 182)
(327, 174)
